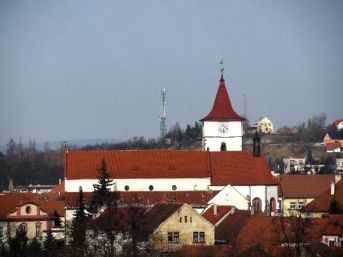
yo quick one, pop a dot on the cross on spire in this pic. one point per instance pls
(222, 66)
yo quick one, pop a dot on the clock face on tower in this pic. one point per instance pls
(223, 128)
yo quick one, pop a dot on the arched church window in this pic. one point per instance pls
(272, 203)
(257, 204)
(223, 146)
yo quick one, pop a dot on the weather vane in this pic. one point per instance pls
(222, 66)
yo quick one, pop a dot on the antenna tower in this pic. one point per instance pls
(163, 127)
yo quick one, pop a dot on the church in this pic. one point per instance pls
(220, 174)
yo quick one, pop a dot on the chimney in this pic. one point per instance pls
(332, 188)
(215, 210)
(59, 181)
(256, 148)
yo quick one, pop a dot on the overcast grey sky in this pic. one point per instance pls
(94, 69)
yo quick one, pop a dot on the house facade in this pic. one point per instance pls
(174, 225)
(264, 125)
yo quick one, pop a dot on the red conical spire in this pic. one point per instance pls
(222, 109)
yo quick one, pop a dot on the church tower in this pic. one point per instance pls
(222, 128)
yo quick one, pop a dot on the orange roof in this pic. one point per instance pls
(235, 168)
(214, 218)
(322, 202)
(334, 226)
(10, 201)
(239, 168)
(137, 164)
(332, 146)
(57, 193)
(149, 198)
(229, 228)
(304, 186)
(222, 109)
(269, 231)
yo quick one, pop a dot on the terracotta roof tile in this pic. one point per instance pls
(214, 218)
(334, 225)
(322, 202)
(333, 146)
(222, 109)
(304, 186)
(239, 168)
(9, 201)
(235, 168)
(149, 198)
(137, 164)
(229, 228)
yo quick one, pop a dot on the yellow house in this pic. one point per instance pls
(296, 191)
(170, 226)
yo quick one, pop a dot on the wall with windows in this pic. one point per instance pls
(215, 133)
(185, 227)
(294, 205)
(141, 184)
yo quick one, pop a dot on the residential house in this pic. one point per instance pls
(332, 139)
(170, 226)
(339, 165)
(338, 124)
(320, 206)
(296, 191)
(294, 164)
(31, 212)
(264, 125)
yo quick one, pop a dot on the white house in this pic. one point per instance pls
(264, 125)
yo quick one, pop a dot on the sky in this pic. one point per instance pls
(94, 69)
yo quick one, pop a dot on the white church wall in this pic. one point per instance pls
(140, 184)
(213, 136)
(230, 196)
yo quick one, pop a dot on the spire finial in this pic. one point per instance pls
(222, 66)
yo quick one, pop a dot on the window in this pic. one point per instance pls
(173, 237)
(198, 237)
(301, 205)
(190, 219)
(174, 187)
(180, 219)
(185, 219)
(38, 229)
(151, 187)
(272, 205)
(223, 146)
(127, 188)
(257, 204)
(293, 205)
(331, 243)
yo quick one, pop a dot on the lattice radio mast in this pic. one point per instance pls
(163, 127)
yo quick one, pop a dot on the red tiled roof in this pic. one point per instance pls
(137, 164)
(57, 193)
(322, 202)
(333, 146)
(229, 228)
(222, 109)
(337, 122)
(235, 168)
(239, 168)
(334, 225)
(149, 198)
(214, 218)
(9, 202)
(303, 186)
(157, 214)
(269, 231)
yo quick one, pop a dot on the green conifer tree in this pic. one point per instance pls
(335, 207)
(101, 193)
